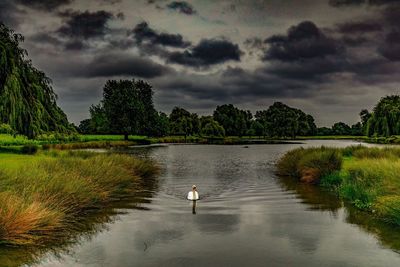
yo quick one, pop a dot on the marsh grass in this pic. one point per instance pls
(366, 177)
(88, 145)
(46, 198)
(310, 164)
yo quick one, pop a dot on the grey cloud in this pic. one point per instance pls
(207, 52)
(122, 64)
(391, 47)
(9, 12)
(339, 3)
(359, 27)
(85, 24)
(143, 33)
(182, 7)
(343, 3)
(47, 5)
(303, 41)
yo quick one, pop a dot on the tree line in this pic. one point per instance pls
(127, 108)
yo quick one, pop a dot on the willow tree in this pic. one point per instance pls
(385, 118)
(27, 100)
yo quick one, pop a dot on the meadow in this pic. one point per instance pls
(368, 178)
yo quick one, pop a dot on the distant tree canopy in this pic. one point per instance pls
(126, 108)
(385, 118)
(212, 129)
(235, 121)
(182, 122)
(27, 100)
(280, 120)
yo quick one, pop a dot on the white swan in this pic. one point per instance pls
(193, 195)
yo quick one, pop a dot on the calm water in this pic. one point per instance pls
(246, 217)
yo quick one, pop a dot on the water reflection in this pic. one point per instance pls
(194, 207)
(246, 217)
(318, 199)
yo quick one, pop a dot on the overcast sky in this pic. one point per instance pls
(330, 58)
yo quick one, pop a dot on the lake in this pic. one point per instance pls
(247, 216)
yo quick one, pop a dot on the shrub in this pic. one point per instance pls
(288, 164)
(29, 149)
(6, 129)
(323, 161)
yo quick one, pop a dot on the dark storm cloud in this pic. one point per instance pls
(7, 13)
(122, 64)
(382, 2)
(359, 27)
(207, 52)
(354, 41)
(343, 3)
(182, 7)
(339, 3)
(75, 45)
(303, 41)
(47, 5)
(85, 24)
(391, 47)
(143, 33)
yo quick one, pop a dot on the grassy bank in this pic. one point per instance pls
(46, 195)
(96, 141)
(366, 177)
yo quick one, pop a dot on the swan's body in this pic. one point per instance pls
(193, 195)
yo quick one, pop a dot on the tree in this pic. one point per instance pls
(384, 120)
(365, 116)
(257, 128)
(280, 120)
(213, 129)
(341, 128)
(148, 119)
(357, 129)
(233, 120)
(324, 131)
(162, 125)
(85, 126)
(27, 100)
(98, 120)
(182, 122)
(123, 107)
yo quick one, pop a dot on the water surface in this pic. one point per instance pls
(247, 216)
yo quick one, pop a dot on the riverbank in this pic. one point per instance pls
(365, 177)
(21, 144)
(10, 143)
(45, 196)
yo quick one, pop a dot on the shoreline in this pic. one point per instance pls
(41, 206)
(364, 177)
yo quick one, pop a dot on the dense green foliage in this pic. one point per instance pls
(368, 177)
(280, 120)
(212, 128)
(236, 122)
(27, 100)
(385, 118)
(126, 108)
(182, 122)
